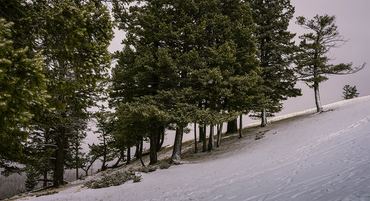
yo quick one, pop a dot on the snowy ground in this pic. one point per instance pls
(308, 157)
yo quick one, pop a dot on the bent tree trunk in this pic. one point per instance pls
(160, 138)
(232, 126)
(176, 153)
(140, 153)
(263, 118)
(317, 98)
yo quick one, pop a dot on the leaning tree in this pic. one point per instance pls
(312, 60)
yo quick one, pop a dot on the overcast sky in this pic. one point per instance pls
(352, 19)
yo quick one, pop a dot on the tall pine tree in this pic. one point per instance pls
(75, 37)
(275, 45)
(22, 88)
(313, 60)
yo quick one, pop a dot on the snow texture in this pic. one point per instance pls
(308, 157)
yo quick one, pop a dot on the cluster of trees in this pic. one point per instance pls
(202, 62)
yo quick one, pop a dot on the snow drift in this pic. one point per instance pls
(307, 157)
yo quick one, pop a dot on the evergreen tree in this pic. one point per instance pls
(313, 59)
(105, 149)
(74, 36)
(22, 92)
(275, 45)
(349, 92)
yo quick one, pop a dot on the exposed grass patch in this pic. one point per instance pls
(48, 193)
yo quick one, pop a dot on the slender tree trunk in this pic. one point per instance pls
(263, 118)
(103, 165)
(59, 161)
(121, 155)
(211, 143)
(317, 98)
(45, 183)
(141, 153)
(201, 133)
(219, 133)
(77, 160)
(137, 150)
(241, 126)
(176, 153)
(232, 126)
(160, 138)
(204, 138)
(195, 138)
(128, 155)
(153, 144)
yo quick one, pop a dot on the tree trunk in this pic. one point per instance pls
(317, 98)
(176, 153)
(103, 165)
(241, 126)
(128, 155)
(121, 155)
(204, 138)
(232, 126)
(211, 143)
(76, 160)
(201, 133)
(153, 144)
(45, 183)
(140, 153)
(59, 161)
(160, 138)
(219, 132)
(263, 118)
(195, 138)
(137, 150)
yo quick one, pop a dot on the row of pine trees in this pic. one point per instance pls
(191, 61)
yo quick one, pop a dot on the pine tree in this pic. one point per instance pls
(313, 59)
(275, 45)
(105, 149)
(349, 92)
(22, 92)
(74, 36)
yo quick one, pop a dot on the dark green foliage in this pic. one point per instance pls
(275, 44)
(313, 60)
(107, 149)
(22, 92)
(72, 37)
(183, 62)
(349, 92)
(31, 182)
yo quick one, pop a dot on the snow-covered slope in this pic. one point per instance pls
(309, 157)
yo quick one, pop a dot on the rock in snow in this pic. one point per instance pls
(309, 157)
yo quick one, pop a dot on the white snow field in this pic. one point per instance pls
(309, 157)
